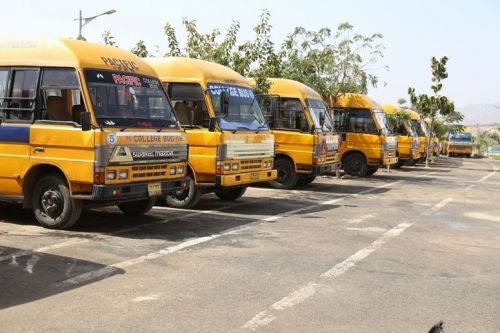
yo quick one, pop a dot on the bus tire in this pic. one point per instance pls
(355, 164)
(287, 177)
(137, 207)
(187, 198)
(305, 180)
(371, 170)
(53, 206)
(230, 194)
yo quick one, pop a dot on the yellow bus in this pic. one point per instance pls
(421, 130)
(230, 145)
(408, 143)
(460, 143)
(84, 123)
(367, 143)
(306, 145)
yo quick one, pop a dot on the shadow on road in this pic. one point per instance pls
(32, 277)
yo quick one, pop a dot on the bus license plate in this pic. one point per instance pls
(154, 189)
(254, 176)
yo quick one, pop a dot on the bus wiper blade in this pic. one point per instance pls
(165, 124)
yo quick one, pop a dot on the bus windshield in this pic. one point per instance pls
(316, 107)
(417, 127)
(461, 137)
(129, 100)
(381, 119)
(244, 110)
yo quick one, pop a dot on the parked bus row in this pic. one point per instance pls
(85, 124)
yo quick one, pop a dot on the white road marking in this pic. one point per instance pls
(107, 270)
(265, 317)
(145, 298)
(31, 263)
(78, 241)
(483, 216)
(437, 206)
(361, 219)
(495, 169)
(369, 229)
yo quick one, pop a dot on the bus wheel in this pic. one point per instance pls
(287, 177)
(399, 164)
(230, 194)
(305, 180)
(137, 207)
(370, 171)
(355, 165)
(185, 198)
(53, 206)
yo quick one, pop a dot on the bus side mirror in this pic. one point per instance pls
(224, 102)
(211, 124)
(85, 121)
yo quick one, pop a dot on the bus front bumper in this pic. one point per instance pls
(137, 190)
(245, 178)
(389, 161)
(324, 169)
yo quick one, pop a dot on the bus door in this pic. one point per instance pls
(17, 106)
(56, 135)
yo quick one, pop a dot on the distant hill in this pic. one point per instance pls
(482, 114)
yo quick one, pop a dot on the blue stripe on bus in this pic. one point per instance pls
(10, 133)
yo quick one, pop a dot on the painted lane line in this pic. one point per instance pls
(361, 219)
(31, 263)
(300, 295)
(108, 270)
(437, 207)
(78, 241)
(483, 216)
(495, 169)
(377, 230)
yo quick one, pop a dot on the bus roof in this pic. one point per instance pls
(391, 108)
(360, 101)
(414, 115)
(181, 69)
(292, 88)
(63, 52)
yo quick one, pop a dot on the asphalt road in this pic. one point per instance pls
(396, 252)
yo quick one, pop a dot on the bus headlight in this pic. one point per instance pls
(235, 166)
(180, 170)
(227, 166)
(110, 175)
(173, 171)
(123, 174)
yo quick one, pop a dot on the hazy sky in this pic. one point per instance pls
(468, 32)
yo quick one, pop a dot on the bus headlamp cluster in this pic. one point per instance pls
(267, 164)
(231, 166)
(176, 170)
(112, 174)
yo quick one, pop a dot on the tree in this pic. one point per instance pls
(140, 49)
(435, 105)
(332, 62)
(108, 38)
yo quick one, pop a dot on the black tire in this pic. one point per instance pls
(355, 164)
(399, 164)
(137, 207)
(53, 206)
(305, 180)
(230, 194)
(287, 177)
(371, 170)
(187, 198)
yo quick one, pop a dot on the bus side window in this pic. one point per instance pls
(62, 95)
(18, 98)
